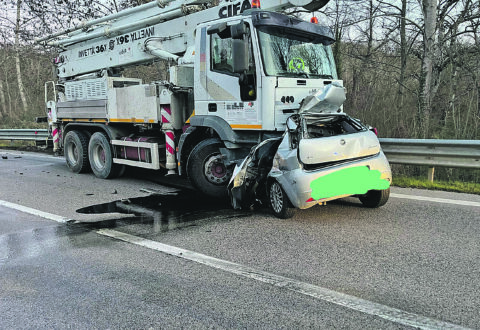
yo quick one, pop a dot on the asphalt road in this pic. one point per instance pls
(408, 264)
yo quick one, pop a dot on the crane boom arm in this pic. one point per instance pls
(159, 29)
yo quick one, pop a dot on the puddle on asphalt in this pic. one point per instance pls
(152, 215)
(164, 211)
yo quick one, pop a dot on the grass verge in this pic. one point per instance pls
(16, 144)
(456, 186)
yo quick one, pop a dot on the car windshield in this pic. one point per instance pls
(291, 56)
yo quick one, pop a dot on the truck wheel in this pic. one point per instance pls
(375, 198)
(279, 202)
(76, 151)
(206, 169)
(101, 157)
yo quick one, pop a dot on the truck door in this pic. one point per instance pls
(231, 95)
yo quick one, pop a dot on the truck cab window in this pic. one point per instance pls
(222, 54)
(222, 62)
(222, 59)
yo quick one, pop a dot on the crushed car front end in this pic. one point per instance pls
(323, 155)
(329, 157)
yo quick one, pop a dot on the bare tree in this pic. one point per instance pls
(3, 104)
(428, 78)
(444, 23)
(21, 89)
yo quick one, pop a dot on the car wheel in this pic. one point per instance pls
(101, 157)
(76, 151)
(375, 198)
(206, 169)
(278, 201)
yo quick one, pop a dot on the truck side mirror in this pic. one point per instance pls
(240, 55)
(238, 31)
(221, 29)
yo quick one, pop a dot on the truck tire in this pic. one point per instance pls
(76, 151)
(100, 153)
(206, 169)
(375, 198)
(278, 201)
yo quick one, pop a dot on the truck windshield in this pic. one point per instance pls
(292, 56)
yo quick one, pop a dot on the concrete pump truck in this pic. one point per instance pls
(240, 73)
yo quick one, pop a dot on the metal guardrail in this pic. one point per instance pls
(24, 134)
(446, 153)
(429, 152)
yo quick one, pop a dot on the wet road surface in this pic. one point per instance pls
(420, 257)
(67, 276)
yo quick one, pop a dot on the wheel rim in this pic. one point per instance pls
(215, 170)
(98, 156)
(276, 197)
(72, 153)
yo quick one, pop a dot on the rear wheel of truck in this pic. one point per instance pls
(76, 151)
(278, 201)
(375, 198)
(100, 154)
(206, 169)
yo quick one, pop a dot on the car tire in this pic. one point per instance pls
(76, 151)
(100, 153)
(375, 198)
(278, 201)
(206, 170)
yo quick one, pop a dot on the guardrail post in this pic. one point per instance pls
(431, 172)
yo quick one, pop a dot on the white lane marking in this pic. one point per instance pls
(436, 200)
(38, 213)
(371, 308)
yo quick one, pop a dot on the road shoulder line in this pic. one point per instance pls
(38, 213)
(436, 200)
(371, 308)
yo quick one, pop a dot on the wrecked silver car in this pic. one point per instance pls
(323, 155)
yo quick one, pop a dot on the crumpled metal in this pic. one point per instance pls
(326, 100)
(251, 174)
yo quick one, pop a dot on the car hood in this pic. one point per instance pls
(326, 100)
